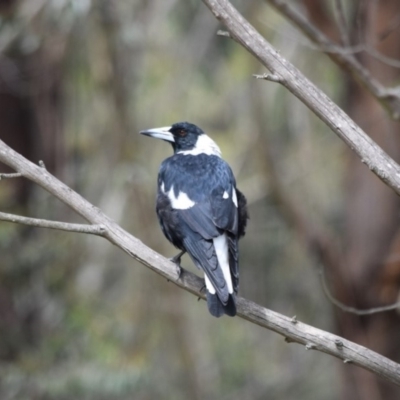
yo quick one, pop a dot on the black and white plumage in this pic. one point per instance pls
(201, 211)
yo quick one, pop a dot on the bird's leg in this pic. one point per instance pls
(202, 290)
(177, 258)
(177, 261)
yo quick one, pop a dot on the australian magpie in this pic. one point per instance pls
(201, 211)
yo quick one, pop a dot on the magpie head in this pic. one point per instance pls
(186, 138)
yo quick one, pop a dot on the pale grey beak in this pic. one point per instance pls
(160, 133)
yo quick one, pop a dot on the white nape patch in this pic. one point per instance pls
(221, 248)
(182, 202)
(234, 197)
(209, 285)
(225, 195)
(162, 187)
(204, 145)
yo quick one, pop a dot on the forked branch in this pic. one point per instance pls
(317, 101)
(343, 56)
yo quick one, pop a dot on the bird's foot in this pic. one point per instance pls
(177, 261)
(202, 290)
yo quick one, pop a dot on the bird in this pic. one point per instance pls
(201, 211)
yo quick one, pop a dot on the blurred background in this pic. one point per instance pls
(79, 319)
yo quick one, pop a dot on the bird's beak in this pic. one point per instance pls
(160, 133)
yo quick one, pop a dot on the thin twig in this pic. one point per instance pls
(348, 309)
(340, 57)
(98, 230)
(10, 176)
(391, 62)
(390, 28)
(268, 77)
(342, 23)
(42, 164)
(223, 33)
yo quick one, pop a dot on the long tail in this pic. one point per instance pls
(212, 256)
(217, 308)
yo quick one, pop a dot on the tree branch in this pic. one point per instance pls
(341, 22)
(290, 328)
(62, 226)
(268, 77)
(386, 96)
(352, 310)
(317, 101)
(10, 176)
(315, 237)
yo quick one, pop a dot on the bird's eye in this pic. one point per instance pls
(182, 132)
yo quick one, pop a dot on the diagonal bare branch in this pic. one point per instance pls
(293, 330)
(317, 101)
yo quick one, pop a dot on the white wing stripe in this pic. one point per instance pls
(209, 285)
(234, 197)
(221, 248)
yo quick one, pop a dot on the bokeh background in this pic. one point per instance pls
(79, 319)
